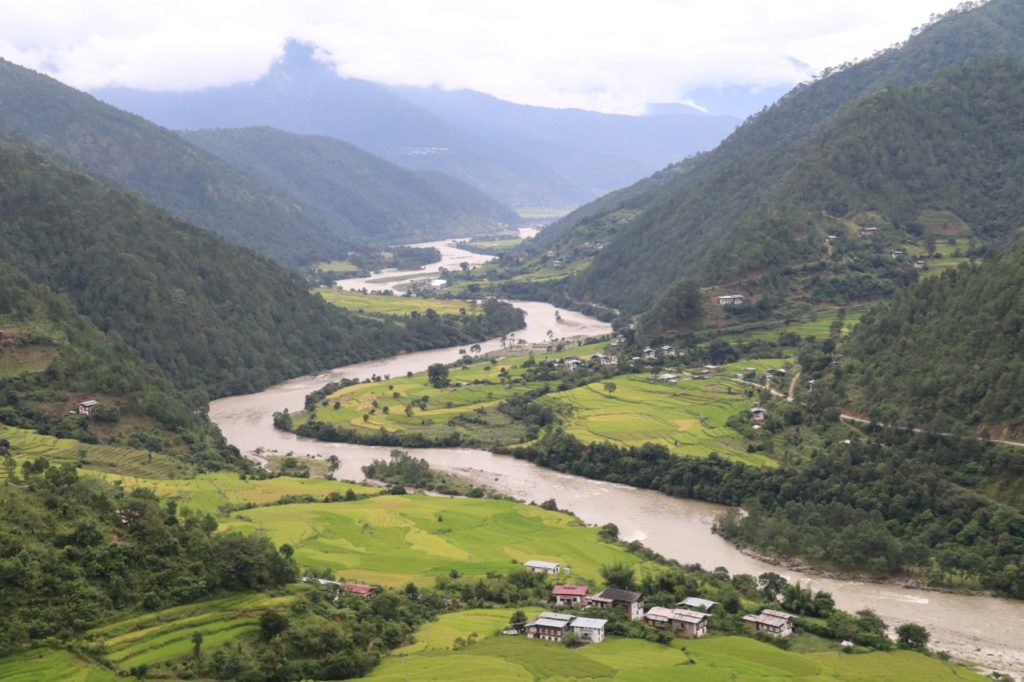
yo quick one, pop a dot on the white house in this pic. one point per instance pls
(731, 299)
(589, 630)
(758, 414)
(86, 407)
(549, 626)
(573, 364)
(777, 623)
(681, 622)
(438, 283)
(668, 351)
(569, 595)
(868, 231)
(649, 354)
(631, 602)
(549, 567)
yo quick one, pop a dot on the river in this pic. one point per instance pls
(987, 630)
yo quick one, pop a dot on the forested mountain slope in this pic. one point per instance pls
(362, 197)
(669, 225)
(946, 354)
(162, 168)
(211, 314)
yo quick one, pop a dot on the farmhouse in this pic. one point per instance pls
(603, 359)
(549, 567)
(86, 407)
(668, 351)
(438, 283)
(731, 299)
(549, 626)
(897, 254)
(698, 603)
(569, 595)
(589, 630)
(830, 238)
(777, 623)
(631, 602)
(667, 379)
(758, 414)
(573, 364)
(682, 622)
(919, 264)
(649, 354)
(868, 231)
(359, 589)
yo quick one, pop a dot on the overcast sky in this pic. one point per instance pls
(605, 55)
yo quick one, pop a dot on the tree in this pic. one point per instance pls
(475, 348)
(609, 387)
(571, 640)
(618, 575)
(438, 375)
(333, 463)
(197, 646)
(272, 624)
(518, 620)
(549, 505)
(771, 584)
(912, 636)
(609, 532)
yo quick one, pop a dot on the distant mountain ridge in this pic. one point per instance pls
(363, 198)
(740, 210)
(521, 165)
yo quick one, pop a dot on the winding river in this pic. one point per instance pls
(986, 630)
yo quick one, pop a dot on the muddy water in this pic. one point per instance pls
(987, 630)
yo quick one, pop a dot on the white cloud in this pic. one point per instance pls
(608, 55)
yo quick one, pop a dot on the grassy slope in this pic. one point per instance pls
(715, 659)
(52, 666)
(391, 540)
(393, 305)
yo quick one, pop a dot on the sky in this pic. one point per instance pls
(614, 56)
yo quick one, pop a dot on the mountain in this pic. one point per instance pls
(764, 199)
(161, 167)
(212, 315)
(946, 354)
(526, 164)
(362, 197)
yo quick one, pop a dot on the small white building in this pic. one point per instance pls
(649, 354)
(438, 283)
(868, 231)
(86, 407)
(731, 299)
(549, 626)
(589, 630)
(919, 264)
(758, 414)
(777, 623)
(668, 351)
(667, 379)
(549, 567)
(682, 622)
(573, 364)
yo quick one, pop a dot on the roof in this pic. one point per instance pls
(770, 621)
(570, 590)
(758, 409)
(359, 588)
(698, 603)
(662, 614)
(777, 614)
(554, 615)
(595, 623)
(543, 622)
(615, 594)
(550, 565)
(88, 403)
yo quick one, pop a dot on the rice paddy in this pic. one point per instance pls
(394, 539)
(378, 304)
(53, 665)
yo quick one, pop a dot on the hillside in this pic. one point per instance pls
(524, 156)
(362, 197)
(677, 222)
(947, 354)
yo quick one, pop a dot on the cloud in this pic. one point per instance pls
(595, 54)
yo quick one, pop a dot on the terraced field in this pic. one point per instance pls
(395, 305)
(167, 635)
(688, 418)
(817, 325)
(393, 539)
(207, 492)
(717, 659)
(53, 666)
(27, 444)
(337, 266)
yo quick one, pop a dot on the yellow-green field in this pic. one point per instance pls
(688, 418)
(51, 665)
(27, 444)
(817, 325)
(716, 659)
(337, 266)
(166, 635)
(538, 213)
(395, 305)
(207, 492)
(393, 539)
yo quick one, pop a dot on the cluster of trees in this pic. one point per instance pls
(402, 470)
(75, 551)
(946, 355)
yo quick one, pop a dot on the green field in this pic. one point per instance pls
(337, 266)
(52, 665)
(394, 305)
(716, 659)
(817, 325)
(538, 213)
(394, 539)
(27, 444)
(166, 635)
(207, 492)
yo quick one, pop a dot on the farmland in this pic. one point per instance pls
(53, 666)
(377, 304)
(341, 266)
(688, 418)
(208, 492)
(817, 324)
(718, 658)
(394, 539)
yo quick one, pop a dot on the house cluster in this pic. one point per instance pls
(650, 354)
(706, 371)
(339, 588)
(772, 622)
(731, 299)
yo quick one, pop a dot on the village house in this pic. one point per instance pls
(897, 254)
(758, 414)
(569, 595)
(549, 567)
(698, 604)
(86, 407)
(549, 626)
(830, 238)
(868, 231)
(573, 364)
(631, 602)
(919, 264)
(680, 622)
(776, 623)
(649, 354)
(438, 283)
(359, 589)
(667, 379)
(589, 630)
(668, 351)
(603, 359)
(731, 299)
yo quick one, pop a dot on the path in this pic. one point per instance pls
(860, 420)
